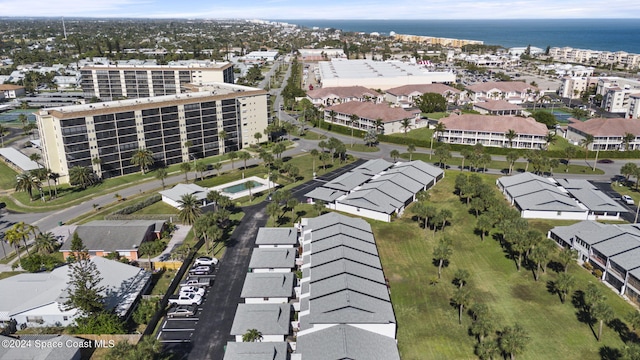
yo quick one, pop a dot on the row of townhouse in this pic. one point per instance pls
(622, 58)
(607, 133)
(612, 248)
(377, 189)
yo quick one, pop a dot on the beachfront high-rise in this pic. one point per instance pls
(115, 82)
(113, 131)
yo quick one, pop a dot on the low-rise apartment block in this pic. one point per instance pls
(608, 134)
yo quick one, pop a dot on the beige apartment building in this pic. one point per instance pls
(114, 82)
(113, 131)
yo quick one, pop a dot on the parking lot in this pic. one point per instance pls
(181, 329)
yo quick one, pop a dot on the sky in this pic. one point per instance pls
(326, 9)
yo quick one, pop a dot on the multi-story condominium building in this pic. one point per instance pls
(572, 87)
(634, 106)
(490, 130)
(515, 92)
(114, 131)
(113, 82)
(616, 93)
(586, 56)
(608, 134)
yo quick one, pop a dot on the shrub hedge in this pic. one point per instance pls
(139, 205)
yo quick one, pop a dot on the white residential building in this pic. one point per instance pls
(608, 133)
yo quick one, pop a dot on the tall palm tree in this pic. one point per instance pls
(35, 157)
(550, 138)
(189, 209)
(185, 167)
(411, 149)
(437, 130)
(201, 168)
(233, 155)
(249, 185)
(23, 229)
(3, 130)
(54, 176)
(161, 174)
(510, 135)
(81, 175)
(27, 182)
(243, 155)
(585, 143)
(46, 243)
(627, 139)
(379, 126)
(217, 167)
(142, 158)
(222, 135)
(332, 116)
(353, 121)
(405, 125)
(14, 238)
(97, 161)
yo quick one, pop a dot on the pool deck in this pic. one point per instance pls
(264, 186)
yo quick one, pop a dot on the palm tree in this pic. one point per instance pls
(487, 350)
(221, 136)
(252, 335)
(14, 238)
(142, 158)
(512, 157)
(438, 129)
(405, 124)
(161, 174)
(602, 312)
(318, 206)
(201, 168)
(23, 229)
(97, 161)
(233, 155)
(395, 154)
(217, 167)
(54, 176)
(442, 253)
(353, 121)
(510, 135)
(379, 125)
(185, 167)
(461, 277)
(273, 209)
(189, 209)
(564, 284)
(332, 116)
(243, 155)
(27, 182)
(410, 149)
(627, 139)
(46, 243)
(569, 152)
(585, 143)
(257, 136)
(35, 157)
(549, 139)
(443, 154)
(249, 185)
(3, 131)
(513, 340)
(461, 299)
(567, 256)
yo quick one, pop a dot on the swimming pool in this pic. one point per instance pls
(241, 187)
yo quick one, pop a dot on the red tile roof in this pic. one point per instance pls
(342, 92)
(368, 110)
(608, 127)
(491, 123)
(504, 86)
(423, 89)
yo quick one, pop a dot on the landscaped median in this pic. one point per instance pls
(428, 323)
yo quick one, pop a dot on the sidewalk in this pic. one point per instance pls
(178, 238)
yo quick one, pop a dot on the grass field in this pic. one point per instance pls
(427, 324)
(7, 177)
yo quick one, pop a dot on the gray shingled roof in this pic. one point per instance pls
(47, 350)
(512, 180)
(269, 319)
(343, 240)
(548, 201)
(398, 186)
(347, 181)
(346, 342)
(617, 246)
(429, 169)
(272, 285)
(343, 229)
(343, 266)
(372, 199)
(373, 167)
(273, 258)
(628, 260)
(277, 236)
(325, 194)
(344, 252)
(344, 282)
(332, 218)
(532, 187)
(256, 351)
(596, 200)
(112, 235)
(567, 232)
(347, 307)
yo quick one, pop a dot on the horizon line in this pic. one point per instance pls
(305, 19)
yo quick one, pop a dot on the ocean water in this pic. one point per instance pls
(595, 34)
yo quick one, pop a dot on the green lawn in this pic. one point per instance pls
(160, 207)
(427, 323)
(362, 148)
(419, 134)
(520, 166)
(7, 177)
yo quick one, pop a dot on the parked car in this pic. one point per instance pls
(627, 199)
(200, 270)
(192, 290)
(182, 311)
(185, 299)
(197, 281)
(206, 260)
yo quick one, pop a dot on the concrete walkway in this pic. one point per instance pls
(176, 240)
